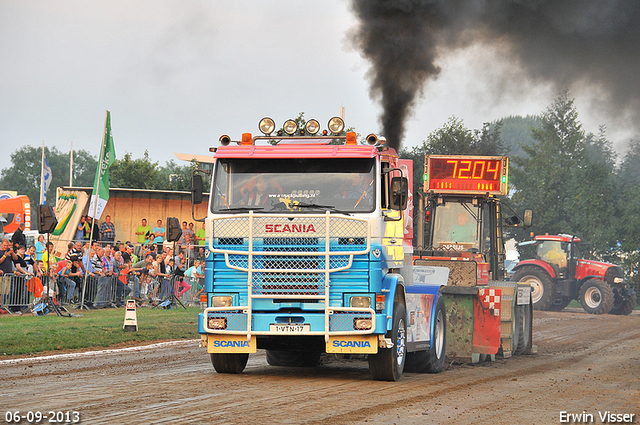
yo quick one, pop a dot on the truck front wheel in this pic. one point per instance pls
(229, 363)
(596, 297)
(542, 286)
(388, 364)
(432, 360)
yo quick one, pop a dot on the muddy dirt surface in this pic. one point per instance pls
(584, 363)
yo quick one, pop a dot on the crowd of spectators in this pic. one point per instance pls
(148, 270)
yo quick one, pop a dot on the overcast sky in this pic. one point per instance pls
(177, 74)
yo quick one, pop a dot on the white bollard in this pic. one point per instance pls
(130, 319)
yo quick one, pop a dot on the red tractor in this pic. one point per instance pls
(558, 275)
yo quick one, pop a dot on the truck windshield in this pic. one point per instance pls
(454, 227)
(309, 185)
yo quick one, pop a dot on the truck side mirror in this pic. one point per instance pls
(399, 193)
(528, 217)
(196, 189)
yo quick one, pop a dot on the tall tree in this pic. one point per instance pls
(515, 131)
(24, 174)
(139, 173)
(565, 176)
(594, 200)
(628, 183)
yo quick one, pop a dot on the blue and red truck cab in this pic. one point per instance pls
(309, 251)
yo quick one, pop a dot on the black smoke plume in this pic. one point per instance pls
(591, 44)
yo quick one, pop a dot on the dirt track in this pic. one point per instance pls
(584, 363)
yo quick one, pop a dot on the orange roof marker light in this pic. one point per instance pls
(247, 139)
(351, 138)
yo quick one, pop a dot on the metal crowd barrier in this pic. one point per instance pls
(19, 292)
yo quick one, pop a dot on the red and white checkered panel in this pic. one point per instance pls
(490, 299)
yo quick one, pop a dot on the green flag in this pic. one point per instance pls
(101, 184)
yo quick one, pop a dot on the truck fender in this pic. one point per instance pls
(395, 283)
(538, 263)
(434, 290)
(433, 318)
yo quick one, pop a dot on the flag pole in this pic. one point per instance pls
(42, 175)
(95, 208)
(71, 166)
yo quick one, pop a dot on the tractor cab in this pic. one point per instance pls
(560, 252)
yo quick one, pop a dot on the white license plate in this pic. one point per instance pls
(292, 329)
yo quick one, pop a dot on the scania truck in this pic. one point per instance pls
(309, 239)
(309, 251)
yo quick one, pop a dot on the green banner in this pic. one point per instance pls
(101, 184)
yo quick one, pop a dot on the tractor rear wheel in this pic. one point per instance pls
(626, 306)
(596, 296)
(542, 286)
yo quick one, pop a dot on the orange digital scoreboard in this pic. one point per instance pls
(466, 174)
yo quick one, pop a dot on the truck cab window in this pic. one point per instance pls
(302, 185)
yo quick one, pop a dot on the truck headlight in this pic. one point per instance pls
(362, 324)
(336, 125)
(290, 127)
(312, 126)
(360, 302)
(217, 323)
(221, 301)
(618, 279)
(266, 126)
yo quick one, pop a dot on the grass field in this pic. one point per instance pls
(29, 334)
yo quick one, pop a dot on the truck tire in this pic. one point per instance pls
(542, 286)
(229, 363)
(432, 360)
(293, 358)
(625, 307)
(560, 303)
(388, 364)
(596, 296)
(524, 335)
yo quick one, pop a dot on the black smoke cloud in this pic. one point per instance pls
(568, 43)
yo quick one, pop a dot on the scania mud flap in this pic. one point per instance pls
(230, 344)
